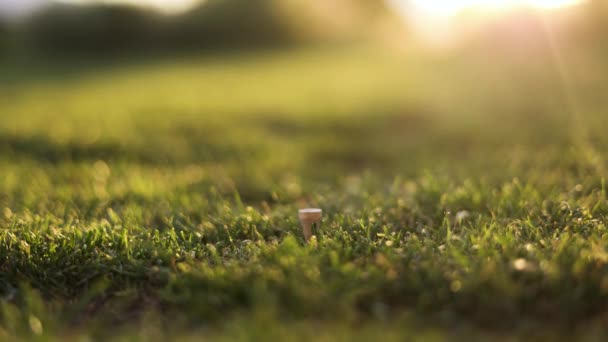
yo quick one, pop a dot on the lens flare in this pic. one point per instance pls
(452, 7)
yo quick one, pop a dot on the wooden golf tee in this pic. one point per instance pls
(308, 217)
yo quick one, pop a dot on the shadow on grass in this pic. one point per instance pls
(154, 152)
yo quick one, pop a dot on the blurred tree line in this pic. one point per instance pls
(214, 24)
(3, 36)
(99, 29)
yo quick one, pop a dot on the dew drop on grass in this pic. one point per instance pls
(462, 215)
(520, 264)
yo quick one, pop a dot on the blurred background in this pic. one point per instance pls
(445, 83)
(101, 28)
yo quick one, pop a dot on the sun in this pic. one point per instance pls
(436, 21)
(453, 7)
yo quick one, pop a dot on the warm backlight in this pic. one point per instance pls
(452, 7)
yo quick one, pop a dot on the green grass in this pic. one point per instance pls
(463, 199)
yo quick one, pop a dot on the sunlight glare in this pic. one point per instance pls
(453, 7)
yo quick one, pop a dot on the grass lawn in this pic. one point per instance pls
(464, 197)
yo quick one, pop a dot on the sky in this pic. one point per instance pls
(9, 8)
(16, 8)
(169, 6)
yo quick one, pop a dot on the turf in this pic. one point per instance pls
(463, 199)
